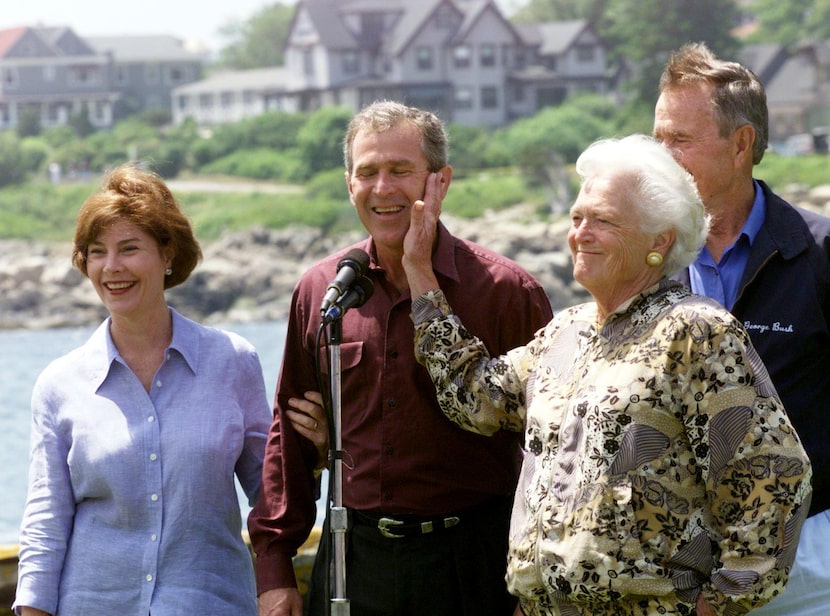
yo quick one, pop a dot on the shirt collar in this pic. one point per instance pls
(756, 217)
(103, 352)
(443, 259)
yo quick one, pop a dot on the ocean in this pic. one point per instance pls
(25, 353)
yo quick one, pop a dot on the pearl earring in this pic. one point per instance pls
(654, 259)
(168, 271)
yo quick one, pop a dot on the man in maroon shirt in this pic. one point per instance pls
(402, 459)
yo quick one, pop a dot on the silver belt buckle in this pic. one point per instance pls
(383, 527)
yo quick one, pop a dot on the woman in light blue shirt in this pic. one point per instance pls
(137, 434)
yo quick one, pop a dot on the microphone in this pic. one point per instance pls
(351, 267)
(354, 297)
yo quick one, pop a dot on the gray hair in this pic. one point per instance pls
(664, 193)
(738, 96)
(384, 115)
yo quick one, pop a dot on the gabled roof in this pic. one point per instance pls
(43, 42)
(763, 59)
(410, 24)
(9, 37)
(553, 37)
(157, 47)
(473, 10)
(325, 16)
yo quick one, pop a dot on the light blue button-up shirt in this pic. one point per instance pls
(132, 507)
(721, 280)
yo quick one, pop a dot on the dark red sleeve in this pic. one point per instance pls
(285, 513)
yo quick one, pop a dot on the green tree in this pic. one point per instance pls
(644, 32)
(79, 122)
(791, 22)
(641, 33)
(560, 10)
(259, 41)
(320, 141)
(12, 166)
(28, 122)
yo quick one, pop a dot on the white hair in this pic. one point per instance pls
(664, 193)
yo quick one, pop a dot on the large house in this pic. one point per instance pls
(146, 69)
(53, 74)
(460, 58)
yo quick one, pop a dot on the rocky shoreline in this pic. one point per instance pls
(249, 275)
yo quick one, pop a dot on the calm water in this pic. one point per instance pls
(24, 353)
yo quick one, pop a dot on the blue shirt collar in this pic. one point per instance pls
(757, 214)
(185, 342)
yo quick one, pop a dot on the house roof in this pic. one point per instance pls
(257, 79)
(793, 82)
(143, 48)
(9, 37)
(553, 37)
(43, 42)
(763, 59)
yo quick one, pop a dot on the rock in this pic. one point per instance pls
(249, 275)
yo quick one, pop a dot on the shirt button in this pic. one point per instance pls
(394, 354)
(149, 578)
(389, 451)
(151, 419)
(154, 497)
(154, 537)
(153, 457)
(387, 496)
(392, 402)
(158, 383)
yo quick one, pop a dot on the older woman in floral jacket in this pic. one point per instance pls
(661, 474)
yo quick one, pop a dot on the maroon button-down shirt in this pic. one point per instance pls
(401, 455)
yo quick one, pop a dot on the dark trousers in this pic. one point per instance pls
(457, 571)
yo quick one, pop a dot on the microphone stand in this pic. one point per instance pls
(338, 521)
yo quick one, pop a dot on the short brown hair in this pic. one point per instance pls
(383, 115)
(739, 98)
(142, 198)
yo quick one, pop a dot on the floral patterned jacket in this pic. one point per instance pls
(659, 460)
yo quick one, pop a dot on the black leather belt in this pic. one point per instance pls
(407, 525)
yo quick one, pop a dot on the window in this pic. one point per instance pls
(351, 62)
(463, 98)
(176, 74)
(49, 72)
(308, 63)
(53, 112)
(585, 53)
(151, 74)
(489, 97)
(206, 101)
(519, 93)
(424, 59)
(10, 79)
(100, 110)
(461, 56)
(226, 99)
(84, 75)
(487, 55)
